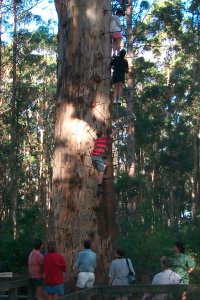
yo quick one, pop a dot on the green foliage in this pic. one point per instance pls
(146, 238)
(26, 137)
(14, 252)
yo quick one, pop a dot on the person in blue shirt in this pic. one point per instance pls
(85, 265)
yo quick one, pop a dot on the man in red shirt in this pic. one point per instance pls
(98, 155)
(35, 267)
(54, 267)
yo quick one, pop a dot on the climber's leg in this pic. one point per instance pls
(99, 164)
(120, 88)
(118, 44)
(100, 178)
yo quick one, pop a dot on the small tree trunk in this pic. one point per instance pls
(83, 107)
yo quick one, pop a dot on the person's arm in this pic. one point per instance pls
(112, 63)
(191, 264)
(131, 266)
(95, 261)
(111, 273)
(155, 280)
(77, 262)
(177, 279)
(41, 262)
(41, 259)
(126, 66)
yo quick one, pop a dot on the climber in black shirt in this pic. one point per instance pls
(120, 67)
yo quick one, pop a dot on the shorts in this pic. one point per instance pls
(118, 77)
(85, 280)
(116, 35)
(98, 163)
(57, 289)
(35, 282)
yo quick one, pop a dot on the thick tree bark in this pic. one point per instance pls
(83, 107)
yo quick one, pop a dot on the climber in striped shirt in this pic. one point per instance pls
(98, 155)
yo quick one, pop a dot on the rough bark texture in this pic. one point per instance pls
(83, 107)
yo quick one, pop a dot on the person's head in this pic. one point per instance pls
(165, 262)
(87, 244)
(179, 247)
(120, 253)
(51, 246)
(122, 53)
(119, 13)
(99, 133)
(38, 244)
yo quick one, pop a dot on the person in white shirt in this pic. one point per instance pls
(115, 30)
(167, 276)
(119, 270)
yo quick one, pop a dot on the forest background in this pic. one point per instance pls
(160, 202)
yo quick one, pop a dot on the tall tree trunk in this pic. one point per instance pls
(1, 7)
(196, 171)
(83, 107)
(13, 189)
(129, 96)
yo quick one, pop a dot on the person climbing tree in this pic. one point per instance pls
(120, 68)
(115, 29)
(98, 155)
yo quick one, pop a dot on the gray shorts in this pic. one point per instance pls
(98, 163)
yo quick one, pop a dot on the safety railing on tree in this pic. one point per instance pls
(174, 292)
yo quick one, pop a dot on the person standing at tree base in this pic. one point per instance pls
(119, 271)
(183, 264)
(35, 267)
(86, 264)
(54, 268)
